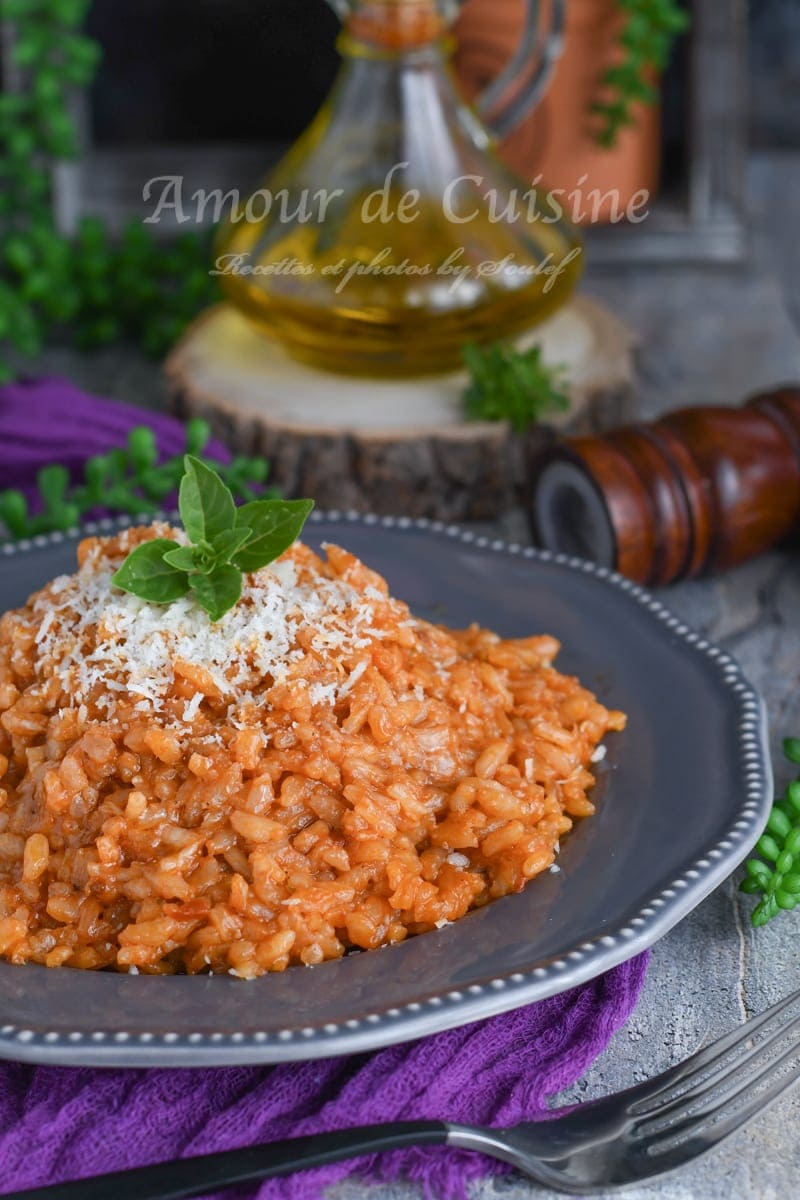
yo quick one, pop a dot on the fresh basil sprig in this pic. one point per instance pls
(226, 542)
(777, 880)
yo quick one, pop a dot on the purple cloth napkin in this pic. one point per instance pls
(49, 420)
(59, 1123)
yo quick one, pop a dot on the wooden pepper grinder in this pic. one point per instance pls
(700, 490)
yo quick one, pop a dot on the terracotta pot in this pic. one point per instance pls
(557, 140)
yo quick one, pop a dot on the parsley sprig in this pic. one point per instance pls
(226, 542)
(511, 385)
(775, 876)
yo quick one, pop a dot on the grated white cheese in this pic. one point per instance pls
(45, 627)
(356, 673)
(323, 693)
(97, 639)
(191, 708)
(599, 754)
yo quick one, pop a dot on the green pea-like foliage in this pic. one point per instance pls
(129, 479)
(775, 875)
(91, 287)
(646, 41)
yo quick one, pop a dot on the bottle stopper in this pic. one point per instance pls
(396, 25)
(700, 490)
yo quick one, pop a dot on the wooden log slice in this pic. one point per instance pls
(384, 446)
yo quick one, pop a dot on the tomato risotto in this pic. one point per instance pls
(319, 770)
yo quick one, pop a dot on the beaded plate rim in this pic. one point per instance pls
(437, 1013)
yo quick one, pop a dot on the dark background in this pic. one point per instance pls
(210, 70)
(775, 71)
(253, 70)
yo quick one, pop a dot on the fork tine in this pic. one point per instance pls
(709, 1056)
(738, 1086)
(739, 1073)
(675, 1156)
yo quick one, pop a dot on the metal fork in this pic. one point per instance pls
(637, 1134)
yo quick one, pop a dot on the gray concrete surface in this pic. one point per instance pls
(706, 336)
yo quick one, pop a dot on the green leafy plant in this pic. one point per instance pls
(94, 288)
(129, 479)
(650, 30)
(775, 876)
(511, 385)
(225, 543)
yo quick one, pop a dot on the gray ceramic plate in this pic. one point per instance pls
(683, 796)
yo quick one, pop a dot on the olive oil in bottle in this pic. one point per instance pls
(391, 235)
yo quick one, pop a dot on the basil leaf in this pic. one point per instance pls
(276, 525)
(225, 545)
(146, 574)
(206, 504)
(183, 558)
(218, 592)
(205, 558)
